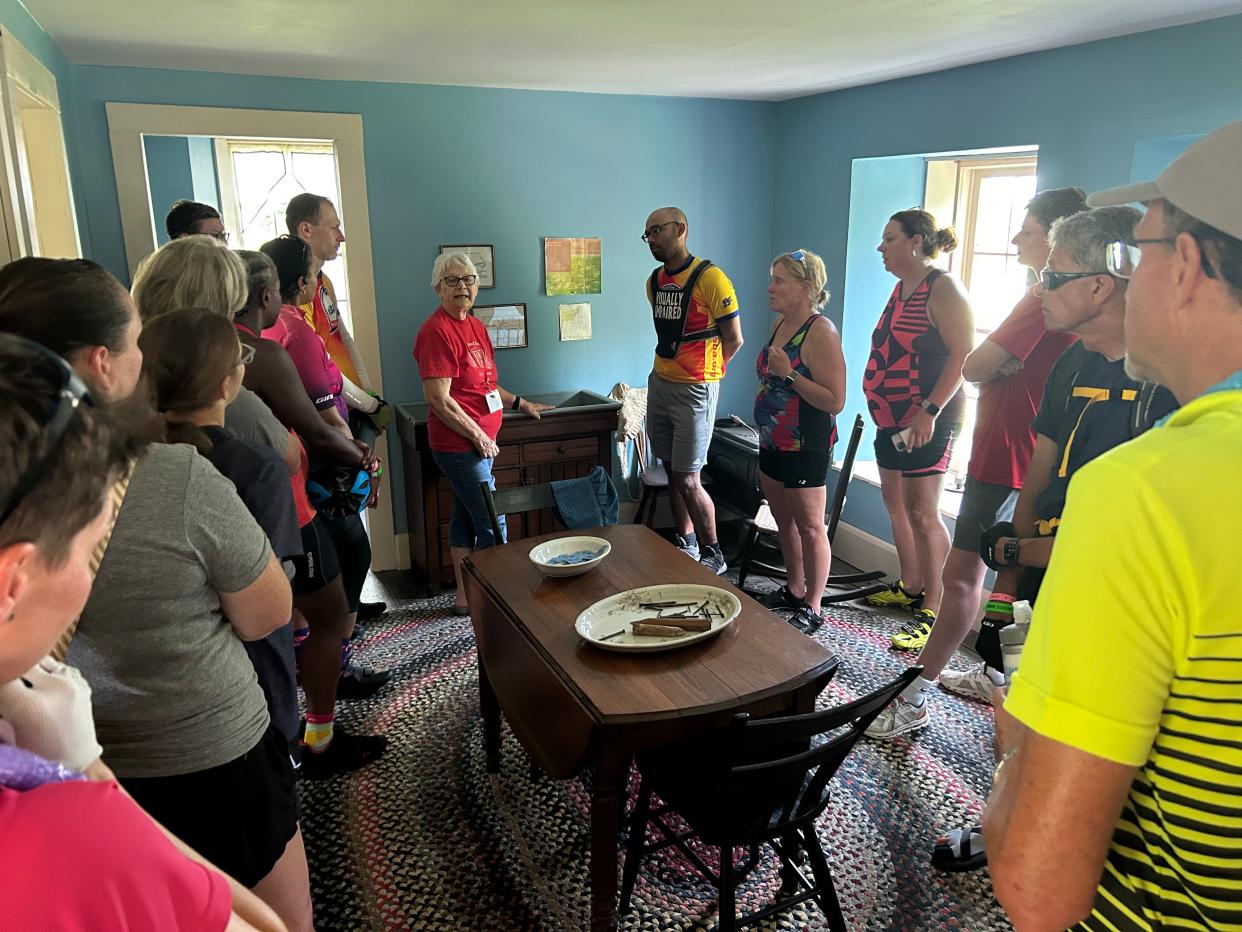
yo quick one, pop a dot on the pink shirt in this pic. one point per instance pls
(319, 374)
(82, 857)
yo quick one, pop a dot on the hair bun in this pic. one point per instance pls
(946, 239)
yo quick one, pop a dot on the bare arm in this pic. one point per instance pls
(1038, 475)
(822, 354)
(526, 407)
(730, 336)
(988, 361)
(1047, 826)
(333, 419)
(274, 378)
(949, 311)
(263, 606)
(948, 306)
(436, 391)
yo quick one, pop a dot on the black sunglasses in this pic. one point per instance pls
(1051, 281)
(72, 392)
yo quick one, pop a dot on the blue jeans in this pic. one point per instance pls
(471, 525)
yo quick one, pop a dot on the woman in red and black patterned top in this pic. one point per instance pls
(913, 388)
(801, 390)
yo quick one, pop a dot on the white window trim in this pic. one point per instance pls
(127, 123)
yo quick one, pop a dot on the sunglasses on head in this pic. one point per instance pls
(71, 393)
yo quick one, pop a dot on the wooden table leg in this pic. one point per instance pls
(609, 775)
(490, 710)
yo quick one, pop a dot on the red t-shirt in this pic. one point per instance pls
(1004, 439)
(82, 857)
(448, 348)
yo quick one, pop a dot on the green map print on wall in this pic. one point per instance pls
(572, 266)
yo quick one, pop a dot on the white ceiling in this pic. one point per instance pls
(697, 48)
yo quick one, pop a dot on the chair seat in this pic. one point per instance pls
(764, 520)
(655, 476)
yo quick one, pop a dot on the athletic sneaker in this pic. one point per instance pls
(714, 560)
(806, 619)
(689, 549)
(345, 752)
(360, 682)
(780, 598)
(897, 718)
(896, 596)
(976, 683)
(915, 632)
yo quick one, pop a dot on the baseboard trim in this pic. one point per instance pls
(865, 551)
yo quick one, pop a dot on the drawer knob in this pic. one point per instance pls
(560, 448)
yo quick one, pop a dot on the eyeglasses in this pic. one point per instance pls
(1123, 258)
(222, 236)
(1051, 281)
(655, 230)
(454, 280)
(72, 392)
(247, 355)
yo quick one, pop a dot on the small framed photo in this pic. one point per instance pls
(484, 260)
(505, 324)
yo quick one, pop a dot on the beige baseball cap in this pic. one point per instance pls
(1205, 181)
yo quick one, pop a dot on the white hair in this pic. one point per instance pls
(450, 260)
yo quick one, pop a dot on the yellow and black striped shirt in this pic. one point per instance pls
(1135, 656)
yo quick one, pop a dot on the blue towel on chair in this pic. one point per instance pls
(589, 501)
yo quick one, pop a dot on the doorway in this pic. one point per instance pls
(129, 128)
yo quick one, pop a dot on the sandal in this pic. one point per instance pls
(960, 850)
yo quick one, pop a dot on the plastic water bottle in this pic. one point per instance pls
(1022, 612)
(1012, 638)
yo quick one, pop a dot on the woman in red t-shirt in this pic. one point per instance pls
(465, 402)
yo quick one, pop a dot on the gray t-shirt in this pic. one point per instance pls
(249, 418)
(174, 691)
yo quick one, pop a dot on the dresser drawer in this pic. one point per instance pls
(554, 451)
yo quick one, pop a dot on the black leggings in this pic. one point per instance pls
(353, 553)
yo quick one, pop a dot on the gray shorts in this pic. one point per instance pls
(679, 421)
(983, 505)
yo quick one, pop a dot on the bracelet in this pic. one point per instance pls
(999, 608)
(1001, 597)
(517, 401)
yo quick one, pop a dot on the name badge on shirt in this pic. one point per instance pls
(493, 401)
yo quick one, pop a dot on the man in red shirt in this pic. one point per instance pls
(1011, 367)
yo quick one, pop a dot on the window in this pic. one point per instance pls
(259, 177)
(986, 200)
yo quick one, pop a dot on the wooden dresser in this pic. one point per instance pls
(564, 444)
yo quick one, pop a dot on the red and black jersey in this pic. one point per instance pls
(907, 357)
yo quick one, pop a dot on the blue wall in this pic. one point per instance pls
(1172, 82)
(179, 167)
(467, 165)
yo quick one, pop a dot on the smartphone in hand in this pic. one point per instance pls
(901, 440)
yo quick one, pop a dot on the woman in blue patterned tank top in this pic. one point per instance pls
(801, 389)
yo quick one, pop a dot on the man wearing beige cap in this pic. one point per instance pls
(1117, 802)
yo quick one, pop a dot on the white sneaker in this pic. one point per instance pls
(689, 549)
(976, 683)
(897, 718)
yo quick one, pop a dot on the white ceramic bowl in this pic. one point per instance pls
(541, 554)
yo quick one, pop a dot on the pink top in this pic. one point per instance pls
(82, 857)
(319, 374)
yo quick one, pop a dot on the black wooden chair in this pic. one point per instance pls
(519, 499)
(764, 781)
(760, 532)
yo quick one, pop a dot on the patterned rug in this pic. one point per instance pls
(426, 839)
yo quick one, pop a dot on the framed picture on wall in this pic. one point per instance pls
(505, 323)
(483, 258)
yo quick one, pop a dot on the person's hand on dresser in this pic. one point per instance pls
(532, 407)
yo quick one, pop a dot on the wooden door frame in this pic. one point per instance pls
(128, 123)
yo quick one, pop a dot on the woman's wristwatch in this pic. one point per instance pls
(790, 379)
(517, 403)
(930, 407)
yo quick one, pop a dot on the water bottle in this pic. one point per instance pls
(1012, 637)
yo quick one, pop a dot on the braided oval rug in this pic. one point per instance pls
(426, 839)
